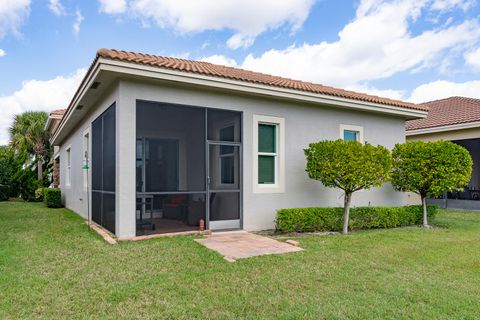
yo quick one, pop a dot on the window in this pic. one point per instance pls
(86, 158)
(68, 175)
(267, 153)
(269, 142)
(351, 133)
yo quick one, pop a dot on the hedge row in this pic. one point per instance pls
(331, 219)
(52, 197)
(4, 192)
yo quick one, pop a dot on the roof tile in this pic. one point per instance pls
(209, 69)
(58, 113)
(449, 111)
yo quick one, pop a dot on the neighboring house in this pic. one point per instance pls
(455, 119)
(53, 121)
(152, 144)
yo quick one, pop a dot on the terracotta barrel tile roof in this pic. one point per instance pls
(58, 113)
(209, 69)
(449, 111)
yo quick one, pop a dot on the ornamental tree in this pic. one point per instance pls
(430, 169)
(349, 166)
(28, 133)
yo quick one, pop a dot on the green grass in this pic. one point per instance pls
(52, 266)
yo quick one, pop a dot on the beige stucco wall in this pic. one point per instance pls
(447, 135)
(304, 123)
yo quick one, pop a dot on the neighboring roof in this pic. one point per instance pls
(57, 113)
(54, 119)
(209, 69)
(447, 112)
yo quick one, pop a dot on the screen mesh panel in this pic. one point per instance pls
(179, 150)
(224, 206)
(174, 140)
(103, 169)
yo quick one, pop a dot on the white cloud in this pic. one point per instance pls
(220, 59)
(56, 7)
(78, 21)
(444, 5)
(387, 93)
(2, 53)
(443, 89)
(12, 15)
(113, 6)
(376, 44)
(472, 59)
(37, 95)
(246, 18)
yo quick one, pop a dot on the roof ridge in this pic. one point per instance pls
(449, 98)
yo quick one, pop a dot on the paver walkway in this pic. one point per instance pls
(235, 245)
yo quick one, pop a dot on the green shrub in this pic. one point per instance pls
(331, 219)
(39, 194)
(27, 183)
(348, 165)
(4, 192)
(430, 169)
(52, 197)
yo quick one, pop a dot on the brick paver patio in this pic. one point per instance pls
(235, 245)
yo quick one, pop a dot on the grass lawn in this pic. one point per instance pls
(52, 266)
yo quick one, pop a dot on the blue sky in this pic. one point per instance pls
(412, 50)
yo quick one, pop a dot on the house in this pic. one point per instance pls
(455, 119)
(51, 126)
(152, 144)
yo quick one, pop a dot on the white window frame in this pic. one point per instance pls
(86, 158)
(68, 166)
(279, 185)
(349, 127)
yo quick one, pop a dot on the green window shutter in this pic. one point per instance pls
(266, 169)
(267, 138)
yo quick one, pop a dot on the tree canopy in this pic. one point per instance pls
(28, 133)
(349, 166)
(430, 168)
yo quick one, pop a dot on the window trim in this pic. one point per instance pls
(86, 148)
(279, 155)
(274, 155)
(68, 166)
(349, 127)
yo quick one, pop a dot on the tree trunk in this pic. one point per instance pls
(346, 212)
(40, 169)
(424, 207)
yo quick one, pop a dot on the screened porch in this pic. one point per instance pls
(188, 168)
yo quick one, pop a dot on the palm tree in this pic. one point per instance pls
(28, 133)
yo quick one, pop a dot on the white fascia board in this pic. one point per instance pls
(129, 68)
(76, 98)
(453, 127)
(247, 87)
